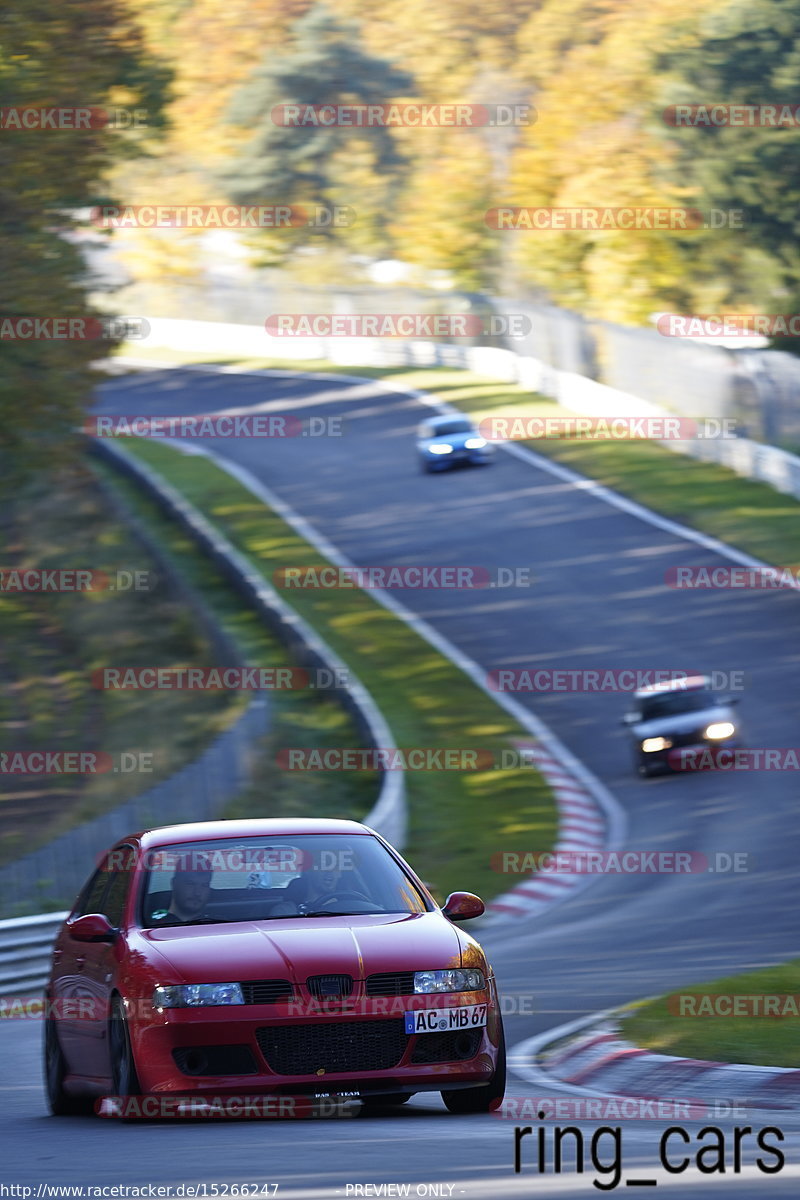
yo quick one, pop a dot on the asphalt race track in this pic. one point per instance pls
(597, 599)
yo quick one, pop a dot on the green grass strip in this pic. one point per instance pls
(691, 1023)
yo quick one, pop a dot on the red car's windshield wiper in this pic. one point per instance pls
(326, 912)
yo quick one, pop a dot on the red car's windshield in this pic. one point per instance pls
(269, 878)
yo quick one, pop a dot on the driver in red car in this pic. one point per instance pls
(313, 888)
(191, 887)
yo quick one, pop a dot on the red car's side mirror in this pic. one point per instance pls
(94, 927)
(462, 906)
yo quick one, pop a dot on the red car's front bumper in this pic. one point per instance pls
(302, 1047)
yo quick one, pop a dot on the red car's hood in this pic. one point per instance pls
(296, 948)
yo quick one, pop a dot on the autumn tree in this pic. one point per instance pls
(745, 55)
(68, 57)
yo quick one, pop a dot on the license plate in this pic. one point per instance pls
(438, 1020)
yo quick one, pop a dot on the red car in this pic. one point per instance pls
(268, 958)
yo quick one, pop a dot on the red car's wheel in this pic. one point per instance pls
(60, 1102)
(123, 1068)
(481, 1099)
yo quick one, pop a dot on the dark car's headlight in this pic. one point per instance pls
(719, 729)
(650, 745)
(458, 980)
(197, 995)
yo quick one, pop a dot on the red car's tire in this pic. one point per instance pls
(123, 1067)
(60, 1102)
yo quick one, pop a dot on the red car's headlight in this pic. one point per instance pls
(197, 995)
(457, 980)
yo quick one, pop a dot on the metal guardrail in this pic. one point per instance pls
(388, 815)
(25, 945)
(54, 873)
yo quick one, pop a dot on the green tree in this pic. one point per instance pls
(77, 55)
(746, 53)
(324, 165)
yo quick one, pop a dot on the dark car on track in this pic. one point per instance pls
(450, 441)
(673, 724)
(270, 957)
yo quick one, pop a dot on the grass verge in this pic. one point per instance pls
(458, 819)
(770, 1041)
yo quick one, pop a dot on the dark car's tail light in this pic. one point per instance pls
(324, 987)
(266, 991)
(327, 1047)
(393, 983)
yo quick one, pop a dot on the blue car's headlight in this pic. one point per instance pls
(197, 995)
(441, 448)
(476, 443)
(458, 980)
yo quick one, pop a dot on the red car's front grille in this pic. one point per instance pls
(333, 1046)
(266, 991)
(394, 983)
(324, 987)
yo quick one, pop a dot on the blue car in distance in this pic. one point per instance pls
(444, 442)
